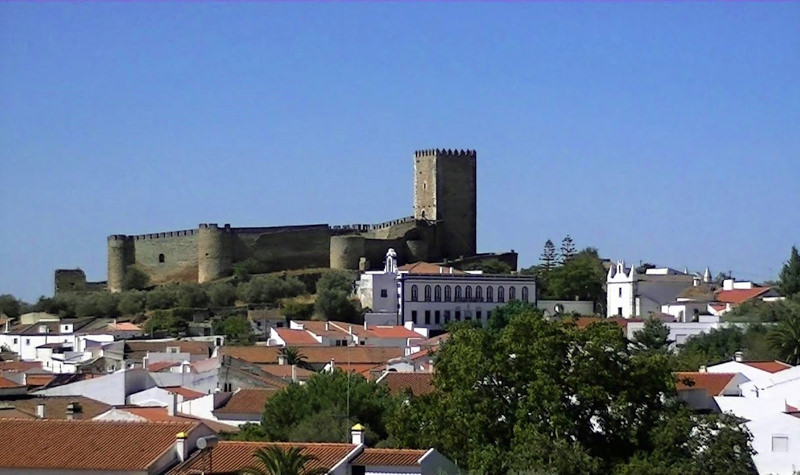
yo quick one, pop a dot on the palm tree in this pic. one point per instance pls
(294, 357)
(274, 460)
(785, 339)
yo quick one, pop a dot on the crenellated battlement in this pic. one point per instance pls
(435, 152)
(363, 228)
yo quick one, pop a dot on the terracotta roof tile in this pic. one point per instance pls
(6, 383)
(317, 354)
(39, 379)
(161, 365)
(187, 393)
(738, 296)
(713, 383)
(19, 365)
(87, 445)
(389, 457)
(56, 406)
(296, 337)
(285, 371)
(768, 366)
(394, 331)
(246, 401)
(428, 268)
(418, 383)
(136, 350)
(318, 328)
(230, 456)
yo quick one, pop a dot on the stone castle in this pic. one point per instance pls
(442, 228)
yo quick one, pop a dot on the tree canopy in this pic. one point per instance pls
(789, 280)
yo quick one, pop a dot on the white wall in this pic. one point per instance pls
(766, 459)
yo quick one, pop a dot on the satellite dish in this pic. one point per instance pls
(558, 308)
(207, 442)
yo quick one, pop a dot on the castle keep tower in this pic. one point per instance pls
(214, 259)
(120, 256)
(445, 192)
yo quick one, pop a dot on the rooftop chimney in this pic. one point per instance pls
(365, 325)
(172, 407)
(41, 413)
(73, 411)
(333, 365)
(327, 326)
(294, 373)
(357, 434)
(180, 445)
(281, 360)
(738, 356)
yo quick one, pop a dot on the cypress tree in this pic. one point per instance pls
(789, 282)
(548, 257)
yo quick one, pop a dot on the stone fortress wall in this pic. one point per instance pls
(443, 227)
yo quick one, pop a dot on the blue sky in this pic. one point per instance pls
(668, 133)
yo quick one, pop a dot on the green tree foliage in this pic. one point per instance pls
(319, 409)
(568, 250)
(784, 338)
(190, 296)
(221, 294)
(332, 304)
(581, 277)
(490, 266)
(164, 323)
(755, 310)
(547, 396)
(277, 461)
(548, 258)
(789, 280)
(162, 297)
(135, 279)
(96, 304)
(237, 330)
(294, 356)
(295, 309)
(721, 344)
(653, 338)
(10, 306)
(335, 280)
(269, 289)
(132, 302)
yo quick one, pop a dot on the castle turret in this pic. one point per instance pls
(214, 255)
(346, 251)
(120, 256)
(445, 192)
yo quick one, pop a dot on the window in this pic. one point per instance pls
(780, 443)
(512, 293)
(447, 316)
(384, 293)
(339, 343)
(619, 291)
(358, 470)
(414, 316)
(437, 293)
(458, 293)
(619, 311)
(427, 293)
(427, 317)
(479, 293)
(15, 341)
(448, 293)
(161, 258)
(478, 315)
(524, 294)
(414, 293)
(501, 295)
(458, 315)
(437, 317)
(488, 315)
(27, 341)
(489, 294)
(468, 293)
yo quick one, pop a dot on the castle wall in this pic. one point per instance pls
(214, 254)
(284, 247)
(179, 251)
(346, 251)
(120, 256)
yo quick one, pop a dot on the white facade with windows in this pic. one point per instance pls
(630, 294)
(433, 300)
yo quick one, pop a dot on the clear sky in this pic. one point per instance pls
(668, 133)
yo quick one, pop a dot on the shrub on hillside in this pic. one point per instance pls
(135, 279)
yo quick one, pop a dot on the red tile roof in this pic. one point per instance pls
(428, 268)
(418, 383)
(20, 366)
(56, 406)
(317, 354)
(246, 401)
(296, 337)
(285, 371)
(394, 331)
(738, 296)
(768, 366)
(389, 457)
(230, 456)
(151, 413)
(318, 328)
(87, 445)
(6, 383)
(713, 383)
(187, 393)
(161, 365)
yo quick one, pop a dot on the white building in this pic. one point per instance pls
(630, 294)
(430, 296)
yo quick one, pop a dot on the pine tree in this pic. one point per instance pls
(789, 282)
(549, 257)
(567, 249)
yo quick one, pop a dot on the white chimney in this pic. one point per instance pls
(703, 369)
(180, 445)
(294, 373)
(172, 407)
(327, 326)
(357, 434)
(365, 325)
(738, 356)
(73, 411)
(41, 413)
(281, 360)
(333, 365)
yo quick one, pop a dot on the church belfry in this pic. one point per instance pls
(445, 192)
